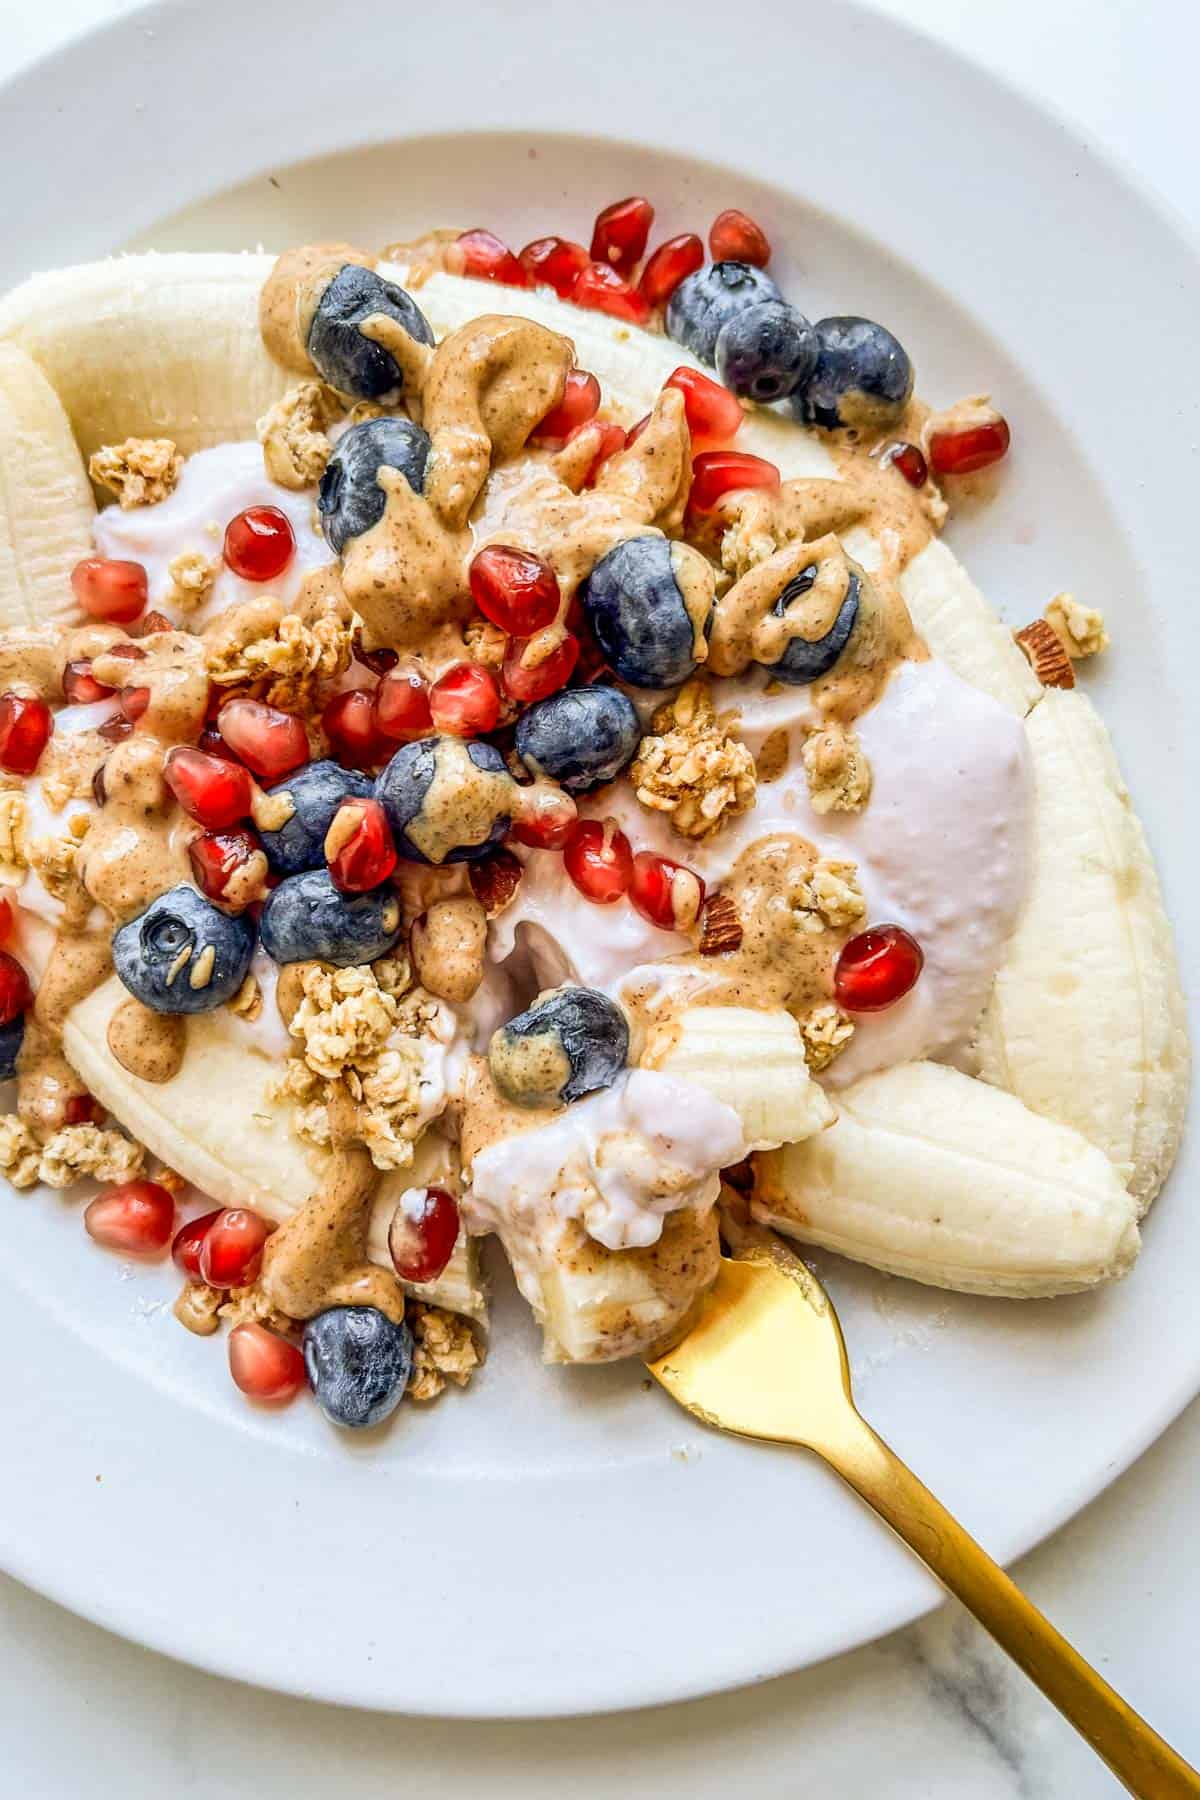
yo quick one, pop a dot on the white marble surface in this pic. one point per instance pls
(933, 1713)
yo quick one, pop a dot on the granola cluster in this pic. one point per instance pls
(690, 766)
(13, 860)
(68, 765)
(292, 434)
(1081, 628)
(201, 1308)
(67, 1155)
(832, 896)
(445, 1349)
(287, 661)
(139, 472)
(825, 1031)
(53, 858)
(839, 775)
(192, 577)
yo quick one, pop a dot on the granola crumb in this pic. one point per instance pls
(13, 860)
(691, 768)
(825, 1031)
(140, 472)
(68, 765)
(831, 896)
(168, 1178)
(444, 1349)
(192, 577)
(1081, 628)
(250, 1306)
(19, 1151)
(89, 1150)
(197, 1308)
(839, 775)
(247, 1003)
(485, 642)
(292, 434)
(52, 859)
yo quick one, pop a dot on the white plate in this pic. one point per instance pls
(565, 1541)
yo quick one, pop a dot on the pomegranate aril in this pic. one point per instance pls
(635, 431)
(962, 452)
(599, 860)
(907, 458)
(527, 682)
(877, 968)
(603, 290)
(82, 1109)
(580, 401)
(15, 991)
(133, 702)
(423, 1233)
(231, 1254)
(735, 237)
(80, 687)
(108, 588)
(218, 856)
(359, 847)
(716, 473)
(608, 440)
(670, 264)
(114, 729)
(351, 724)
(265, 1367)
(554, 262)
(495, 879)
(136, 1218)
(620, 233)
(545, 819)
(211, 740)
(188, 1241)
(402, 706)
(152, 622)
(465, 701)
(25, 726)
(6, 918)
(270, 742)
(713, 413)
(487, 258)
(665, 892)
(379, 660)
(515, 589)
(259, 543)
(210, 789)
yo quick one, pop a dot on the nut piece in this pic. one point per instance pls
(831, 896)
(839, 775)
(192, 577)
(1048, 657)
(720, 926)
(292, 434)
(691, 768)
(447, 944)
(197, 1308)
(139, 472)
(1081, 628)
(13, 860)
(825, 1031)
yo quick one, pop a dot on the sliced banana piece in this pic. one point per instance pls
(151, 346)
(46, 505)
(931, 1174)
(753, 1062)
(217, 1126)
(597, 1305)
(1087, 1022)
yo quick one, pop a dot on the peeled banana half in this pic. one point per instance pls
(1028, 1181)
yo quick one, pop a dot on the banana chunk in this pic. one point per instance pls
(597, 1305)
(755, 1063)
(46, 505)
(931, 1174)
(1086, 1024)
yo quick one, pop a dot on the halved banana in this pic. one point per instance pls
(931, 1174)
(46, 505)
(753, 1062)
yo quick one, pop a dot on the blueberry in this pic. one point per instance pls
(12, 1036)
(347, 360)
(183, 954)
(447, 800)
(358, 1364)
(767, 351)
(350, 499)
(635, 602)
(579, 736)
(316, 790)
(307, 919)
(863, 376)
(569, 1043)
(704, 302)
(806, 659)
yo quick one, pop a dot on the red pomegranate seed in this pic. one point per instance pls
(136, 1218)
(603, 290)
(25, 727)
(110, 589)
(620, 233)
(910, 462)
(515, 589)
(599, 860)
(82, 1109)
(713, 413)
(735, 237)
(270, 742)
(635, 431)
(546, 818)
(114, 729)
(465, 700)
(402, 706)
(133, 702)
(259, 543)
(554, 262)
(15, 991)
(877, 968)
(211, 741)
(6, 918)
(527, 682)
(719, 472)
(359, 847)
(581, 398)
(231, 1254)
(187, 1243)
(265, 1367)
(487, 258)
(670, 264)
(80, 687)
(962, 452)
(495, 879)
(351, 724)
(210, 789)
(217, 857)
(665, 892)
(423, 1233)
(609, 439)
(154, 621)
(379, 660)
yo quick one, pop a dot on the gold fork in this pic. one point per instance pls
(766, 1359)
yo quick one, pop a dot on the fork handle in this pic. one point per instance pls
(1144, 1762)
